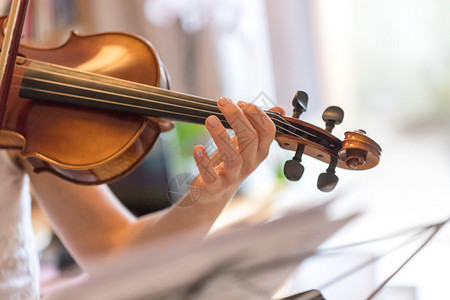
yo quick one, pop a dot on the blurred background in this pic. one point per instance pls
(386, 63)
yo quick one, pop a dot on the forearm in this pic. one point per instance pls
(193, 217)
(88, 220)
(92, 223)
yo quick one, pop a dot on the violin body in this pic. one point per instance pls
(76, 143)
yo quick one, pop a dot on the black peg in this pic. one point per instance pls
(300, 103)
(293, 169)
(333, 115)
(327, 181)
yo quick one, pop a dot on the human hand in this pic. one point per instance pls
(237, 157)
(163, 124)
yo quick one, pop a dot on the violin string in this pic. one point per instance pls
(142, 88)
(146, 89)
(278, 117)
(191, 116)
(118, 103)
(164, 93)
(269, 113)
(155, 109)
(143, 108)
(212, 104)
(178, 113)
(116, 94)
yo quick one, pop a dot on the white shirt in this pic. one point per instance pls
(19, 265)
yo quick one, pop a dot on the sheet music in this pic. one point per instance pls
(249, 263)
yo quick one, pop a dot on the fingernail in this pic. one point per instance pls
(241, 104)
(223, 101)
(199, 152)
(213, 121)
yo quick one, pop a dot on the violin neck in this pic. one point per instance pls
(47, 82)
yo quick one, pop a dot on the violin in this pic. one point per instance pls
(82, 112)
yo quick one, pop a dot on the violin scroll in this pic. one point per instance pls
(358, 151)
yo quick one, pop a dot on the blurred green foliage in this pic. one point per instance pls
(190, 135)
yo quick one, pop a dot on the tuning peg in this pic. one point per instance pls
(327, 181)
(293, 169)
(333, 115)
(300, 103)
